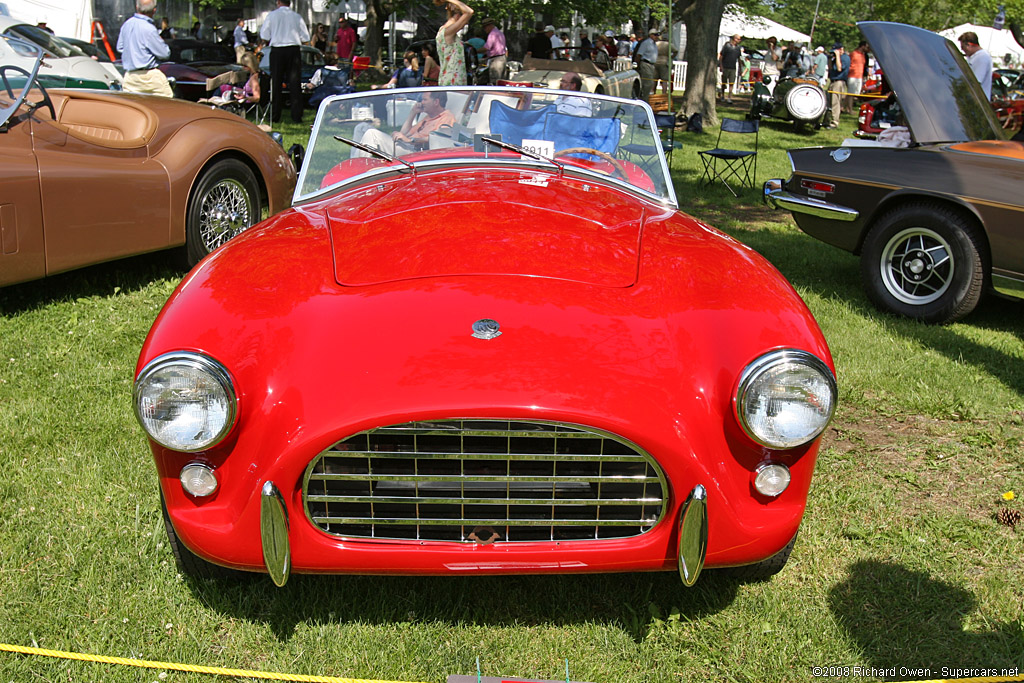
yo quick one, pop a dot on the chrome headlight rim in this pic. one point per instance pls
(196, 360)
(768, 361)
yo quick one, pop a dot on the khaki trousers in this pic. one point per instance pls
(151, 82)
(836, 91)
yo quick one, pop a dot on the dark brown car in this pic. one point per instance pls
(88, 176)
(937, 223)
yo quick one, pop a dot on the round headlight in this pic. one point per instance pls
(786, 398)
(185, 401)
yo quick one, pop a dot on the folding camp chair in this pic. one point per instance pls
(732, 164)
(666, 123)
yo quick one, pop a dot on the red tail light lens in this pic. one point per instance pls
(817, 186)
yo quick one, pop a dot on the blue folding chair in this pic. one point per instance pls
(739, 165)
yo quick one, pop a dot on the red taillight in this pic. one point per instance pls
(817, 186)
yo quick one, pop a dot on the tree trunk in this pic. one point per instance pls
(703, 19)
(375, 18)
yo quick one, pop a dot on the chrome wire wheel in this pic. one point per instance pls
(917, 266)
(226, 202)
(227, 210)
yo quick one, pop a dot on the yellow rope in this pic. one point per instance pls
(214, 670)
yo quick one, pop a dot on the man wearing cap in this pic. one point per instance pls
(979, 59)
(539, 46)
(838, 73)
(819, 66)
(495, 50)
(141, 46)
(609, 44)
(556, 42)
(645, 56)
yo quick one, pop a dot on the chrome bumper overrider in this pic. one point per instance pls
(693, 535)
(277, 553)
(777, 198)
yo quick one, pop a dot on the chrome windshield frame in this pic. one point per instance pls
(300, 197)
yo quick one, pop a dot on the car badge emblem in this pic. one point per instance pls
(841, 154)
(486, 329)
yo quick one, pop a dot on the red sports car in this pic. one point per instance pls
(484, 341)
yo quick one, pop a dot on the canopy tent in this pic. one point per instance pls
(736, 21)
(70, 18)
(996, 43)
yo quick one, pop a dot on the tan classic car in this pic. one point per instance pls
(89, 176)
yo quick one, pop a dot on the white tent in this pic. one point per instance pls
(71, 18)
(997, 43)
(736, 21)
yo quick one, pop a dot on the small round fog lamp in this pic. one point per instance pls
(198, 480)
(771, 479)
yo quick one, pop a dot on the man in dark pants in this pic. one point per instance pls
(285, 32)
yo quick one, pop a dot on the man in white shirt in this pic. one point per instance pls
(141, 47)
(979, 59)
(285, 32)
(574, 105)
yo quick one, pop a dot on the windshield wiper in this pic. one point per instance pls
(522, 150)
(376, 152)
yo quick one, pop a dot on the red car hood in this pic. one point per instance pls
(437, 224)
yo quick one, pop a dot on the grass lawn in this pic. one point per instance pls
(900, 565)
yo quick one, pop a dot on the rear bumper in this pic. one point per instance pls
(778, 198)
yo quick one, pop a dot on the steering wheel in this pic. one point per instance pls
(617, 168)
(21, 96)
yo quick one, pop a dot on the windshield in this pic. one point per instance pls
(45, 40)
(407, 129)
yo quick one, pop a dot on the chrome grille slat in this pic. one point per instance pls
(472, 522)
(478, 481)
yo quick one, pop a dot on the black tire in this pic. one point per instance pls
(191, 564)
(925, 261)
(225, 203)
(765, 569)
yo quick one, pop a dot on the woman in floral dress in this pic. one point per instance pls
(449, 46)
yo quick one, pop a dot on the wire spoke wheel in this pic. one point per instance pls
(225, 203)
(227, 211)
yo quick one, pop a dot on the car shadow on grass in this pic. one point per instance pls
(630, 602)
(834, 274)
(123, 276)
(901, 617)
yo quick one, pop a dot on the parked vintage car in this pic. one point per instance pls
(936, 223)
(91, 176)
(65, 65)
(547, 73)
(502, 351)
(800, 100)
(192, 62)
(96, 54)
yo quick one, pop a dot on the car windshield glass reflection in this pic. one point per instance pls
(610, 139)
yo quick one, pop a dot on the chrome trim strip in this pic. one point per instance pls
(1008, 286)
(277, 554)
(777, 198)
(463, 489)
(411, 500)
(482, 521)
(693, 535)
(497, 478)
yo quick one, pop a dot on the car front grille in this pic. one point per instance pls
(482, 481)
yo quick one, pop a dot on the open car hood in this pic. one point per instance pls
(434, 227)
(940, 97)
